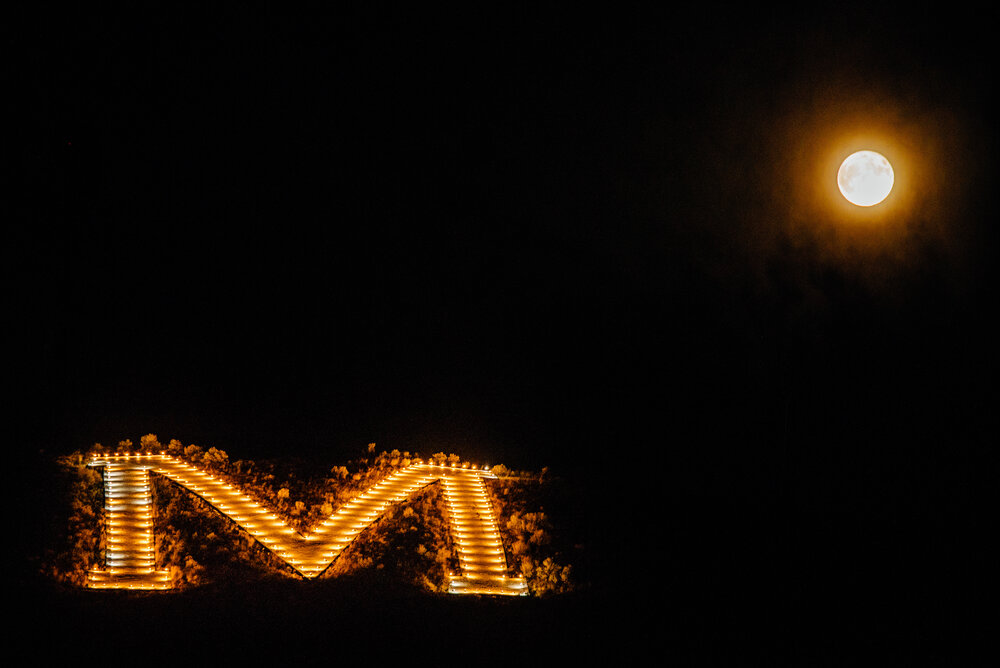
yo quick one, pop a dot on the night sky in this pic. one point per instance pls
(586, 241)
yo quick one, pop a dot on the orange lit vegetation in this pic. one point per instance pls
(527, 531)
(460, 548)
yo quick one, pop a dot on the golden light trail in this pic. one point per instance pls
(130, 557)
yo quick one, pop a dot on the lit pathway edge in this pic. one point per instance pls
(130, 555)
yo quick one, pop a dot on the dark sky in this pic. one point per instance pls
(563, 239)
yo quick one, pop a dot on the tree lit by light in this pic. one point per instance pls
(130, 554)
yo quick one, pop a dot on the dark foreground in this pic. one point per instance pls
(312, 623)
(720, 602)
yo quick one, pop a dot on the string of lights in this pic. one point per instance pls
(130, 551)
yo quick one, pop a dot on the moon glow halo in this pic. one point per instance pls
(865, 178)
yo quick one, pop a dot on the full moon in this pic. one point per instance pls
(865, 178)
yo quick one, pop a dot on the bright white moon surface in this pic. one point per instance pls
(865, 178)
